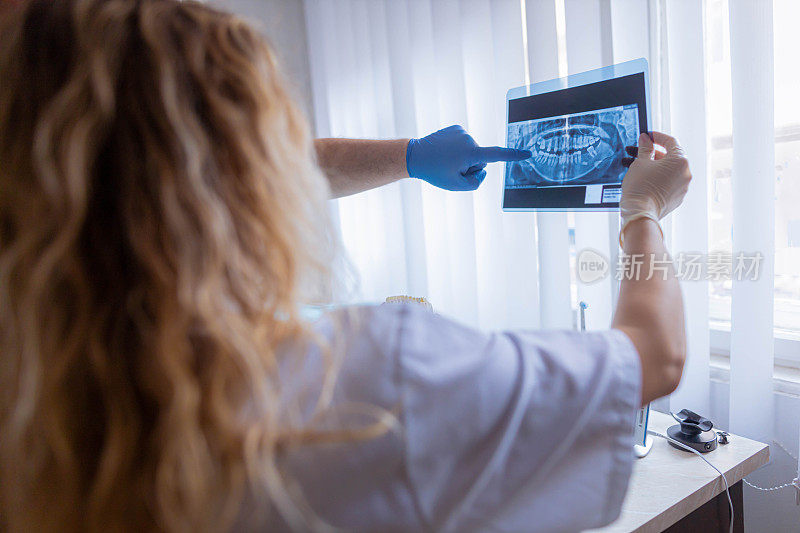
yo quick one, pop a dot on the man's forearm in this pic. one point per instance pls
(650, 311)
(355, 165)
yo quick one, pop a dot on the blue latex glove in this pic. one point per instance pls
(450, 159)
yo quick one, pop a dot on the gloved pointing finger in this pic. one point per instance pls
(493, 154)
(451, 159)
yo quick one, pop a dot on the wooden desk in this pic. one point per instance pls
(675, 490)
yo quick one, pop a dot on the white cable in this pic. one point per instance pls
(700, 455)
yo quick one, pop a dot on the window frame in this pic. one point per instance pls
(787, 343)
(787, 346)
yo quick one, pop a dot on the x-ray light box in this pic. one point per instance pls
(577, 129)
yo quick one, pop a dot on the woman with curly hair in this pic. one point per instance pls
(162, 223)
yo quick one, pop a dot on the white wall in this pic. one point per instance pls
(284, 24)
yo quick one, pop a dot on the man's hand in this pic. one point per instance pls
(450, 159)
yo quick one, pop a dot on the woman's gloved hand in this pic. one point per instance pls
(450, 159)
(656, 182)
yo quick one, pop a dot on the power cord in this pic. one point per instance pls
(700, 455)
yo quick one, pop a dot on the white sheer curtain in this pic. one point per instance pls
(681, 74)
(682, 79)
(547, 60)
(752, 337)
(404, 68)
(399, 68)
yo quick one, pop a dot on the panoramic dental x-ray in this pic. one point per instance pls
(575, 149)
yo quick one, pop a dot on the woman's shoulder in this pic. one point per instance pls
(398, 329)
(384, 323)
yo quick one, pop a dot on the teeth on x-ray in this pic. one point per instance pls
(573, 149)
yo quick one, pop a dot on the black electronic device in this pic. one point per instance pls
(694, 431)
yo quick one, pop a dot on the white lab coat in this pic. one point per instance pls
(518, 431)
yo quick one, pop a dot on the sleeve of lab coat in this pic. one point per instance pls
(516, 431)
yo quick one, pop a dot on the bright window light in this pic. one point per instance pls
(787, 161)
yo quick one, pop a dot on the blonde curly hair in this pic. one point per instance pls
(161, 216)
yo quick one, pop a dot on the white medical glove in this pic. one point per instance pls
(656, 183)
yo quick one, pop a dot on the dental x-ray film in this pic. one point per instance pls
(577, 149)
(577, 129)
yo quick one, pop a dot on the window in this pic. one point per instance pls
(787, 170)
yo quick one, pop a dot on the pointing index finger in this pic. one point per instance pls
(492, 154)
